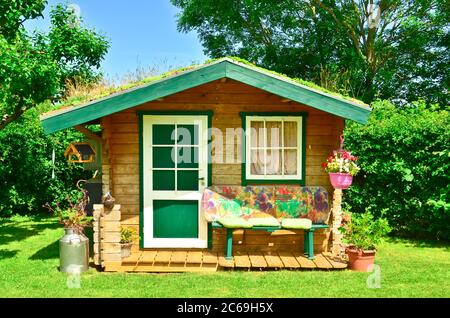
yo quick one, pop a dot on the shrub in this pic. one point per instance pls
(364, 231)
(74, 216)
(26, 182)
(405, 168)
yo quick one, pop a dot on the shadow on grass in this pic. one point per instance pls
(7, 253)
(421, 242)
(12, 230)
(49, 252)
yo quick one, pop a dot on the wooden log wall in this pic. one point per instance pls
(227, 99)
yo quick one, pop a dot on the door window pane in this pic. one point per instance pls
(187, 157)
(187, 180)
(187, 134)
(163, 134)
(163, 157)
(163, 180)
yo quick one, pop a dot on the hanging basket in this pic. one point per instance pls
(341, 180)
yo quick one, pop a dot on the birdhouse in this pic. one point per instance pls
(80, 152)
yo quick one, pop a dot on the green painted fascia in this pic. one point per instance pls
(135, 97)
(207, 73)
(296, 93)
(245, 181)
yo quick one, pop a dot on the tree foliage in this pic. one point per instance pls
(34, 67)
(404, 156)
(26, 182)
(367, 48)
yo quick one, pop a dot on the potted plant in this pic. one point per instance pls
(362, 233)
(341, 167)
(74, 245)
(126, 239)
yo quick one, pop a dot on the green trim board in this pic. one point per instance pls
(224, 68)
(141, 181)
(244, 180)
(141, 114)
(299, 93)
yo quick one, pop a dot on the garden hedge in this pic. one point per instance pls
(404, 154)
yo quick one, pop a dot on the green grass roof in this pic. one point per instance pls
(235, 68)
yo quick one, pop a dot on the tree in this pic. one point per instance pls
(34, 67)
(395, 49)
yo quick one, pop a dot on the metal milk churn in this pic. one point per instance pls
(73, 252)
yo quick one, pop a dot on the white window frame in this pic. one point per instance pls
(265, 118)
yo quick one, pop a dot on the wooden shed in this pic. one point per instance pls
(167, 140)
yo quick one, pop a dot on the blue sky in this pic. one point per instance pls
(143, 33)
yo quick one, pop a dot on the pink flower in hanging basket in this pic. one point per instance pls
(341, 167)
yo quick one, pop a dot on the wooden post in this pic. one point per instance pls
(106, 164)
(107, 235)
(337, 246)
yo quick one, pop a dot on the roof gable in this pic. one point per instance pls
(253, 76)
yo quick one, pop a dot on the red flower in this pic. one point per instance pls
(345, 154)
(324, 165)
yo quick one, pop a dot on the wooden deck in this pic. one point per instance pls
(205, 261)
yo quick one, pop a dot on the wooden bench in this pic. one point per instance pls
(279, 202)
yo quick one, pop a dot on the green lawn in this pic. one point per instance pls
(29, 261)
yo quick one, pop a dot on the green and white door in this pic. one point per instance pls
(175, 172)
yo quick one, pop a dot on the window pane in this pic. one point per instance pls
(273, 162)
(187, 180)
(187, 157)
(187, 134)
(273, 133)
(257, 162)
(290, 134)
(162, 134)
(163, 180)
(257, 134)
(163, 157)
(290, 162)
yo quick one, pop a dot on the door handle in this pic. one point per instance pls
(201, 178)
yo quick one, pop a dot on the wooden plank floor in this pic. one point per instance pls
(206, 261)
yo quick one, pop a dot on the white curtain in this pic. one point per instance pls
(267, 155)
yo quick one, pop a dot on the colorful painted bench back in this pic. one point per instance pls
(261, 201)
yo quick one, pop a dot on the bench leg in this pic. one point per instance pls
(210, 236)
(229, 245)
(305, 243)
(310, 244)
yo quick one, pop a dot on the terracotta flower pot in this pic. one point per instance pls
(359, 260)
(341, 180)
